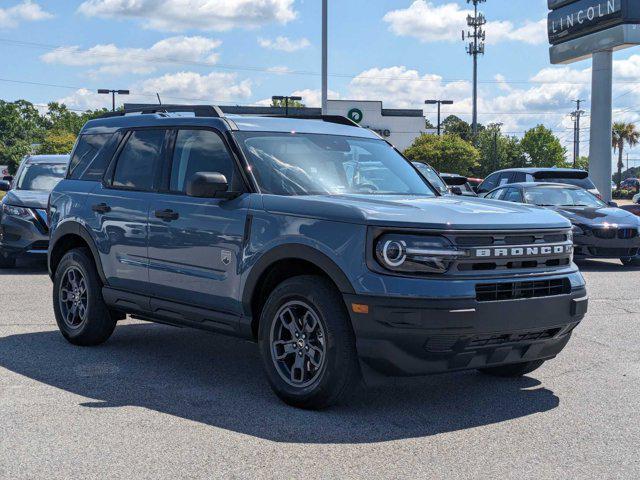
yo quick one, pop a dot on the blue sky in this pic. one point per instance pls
(242, 52)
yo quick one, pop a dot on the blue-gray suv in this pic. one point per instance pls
(311, 236)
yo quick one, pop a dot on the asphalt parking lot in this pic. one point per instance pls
(160, 402)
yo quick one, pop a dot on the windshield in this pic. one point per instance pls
(561, 197)
(41, 176)
(432, 176)
(585, 183)
(309, 164)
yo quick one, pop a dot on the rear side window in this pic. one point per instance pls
(199, 151)
(490, 183)
(585, 183)
(513, 195)
(85, 163)
(138, 160)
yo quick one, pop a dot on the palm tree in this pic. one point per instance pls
(624, 133)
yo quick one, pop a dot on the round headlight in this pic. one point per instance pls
(394, 252)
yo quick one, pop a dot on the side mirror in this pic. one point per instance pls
(613, 204)
(4, 186)
(207, 185)
(456, 190)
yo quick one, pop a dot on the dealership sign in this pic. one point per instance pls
(578, 28)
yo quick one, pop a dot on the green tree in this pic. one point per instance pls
(292, 104)
(20, 129)
(453, 125)
(57, 143)
(543, 148)
(445, 153)
(623, 133)
(498, 151)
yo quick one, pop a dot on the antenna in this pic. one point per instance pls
(476, 47)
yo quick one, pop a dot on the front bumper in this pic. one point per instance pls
(410, 337)
(589, 246)
(20, 236)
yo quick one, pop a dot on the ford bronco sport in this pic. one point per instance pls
(313, 237)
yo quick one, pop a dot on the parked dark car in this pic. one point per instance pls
(600, 230)
(635, 209)
(566, 176)
(433, 177)
(24, 228)
(458, 185)
(312, 237)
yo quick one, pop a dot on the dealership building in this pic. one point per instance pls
(399, 126)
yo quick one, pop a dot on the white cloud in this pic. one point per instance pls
(430, 23)
(400, 87)
(284, 44)
(26, 11)
(181, 87)
(177, 15)
(190, 86)
(113, 60)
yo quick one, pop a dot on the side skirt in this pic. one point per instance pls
(177, 314)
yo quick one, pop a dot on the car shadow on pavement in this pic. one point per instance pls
(605, 266)
(219, 381)
(26, 266)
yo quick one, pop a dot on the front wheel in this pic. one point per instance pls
(82, 316)
(307, 344)
(513, 371)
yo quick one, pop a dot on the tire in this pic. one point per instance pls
(513, 371)
(328, 370)
(7, 261)
(90, 323)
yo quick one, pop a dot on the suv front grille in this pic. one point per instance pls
(496, 292)
(512, 251)
(611, 233)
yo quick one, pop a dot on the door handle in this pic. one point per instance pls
(167, 215)
(101, 208)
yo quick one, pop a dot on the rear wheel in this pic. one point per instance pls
(513, 371)
(7, 260)
(307, 344)
(82, 316)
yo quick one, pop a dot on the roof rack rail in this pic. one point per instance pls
(340, 120)
(144, 109)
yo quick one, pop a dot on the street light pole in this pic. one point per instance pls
(105, 91)
(439, 103)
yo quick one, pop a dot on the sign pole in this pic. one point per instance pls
(325, 57)
(600, 168)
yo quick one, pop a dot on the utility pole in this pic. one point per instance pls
(104, 91)
(576, 131)
(439, 103)
(325, 57)
(476, 47)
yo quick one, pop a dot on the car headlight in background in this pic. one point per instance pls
(416, 254)
(13, 211)
(577, 230)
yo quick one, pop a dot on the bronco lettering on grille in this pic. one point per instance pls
(522, 251)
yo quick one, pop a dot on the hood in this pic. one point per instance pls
(598, 216)
(27, 198)
(446, 212)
